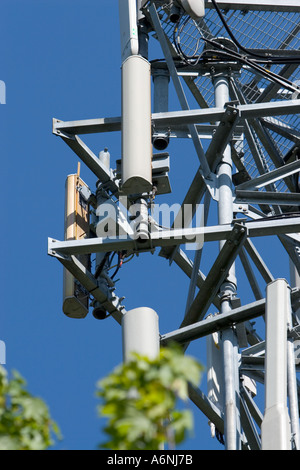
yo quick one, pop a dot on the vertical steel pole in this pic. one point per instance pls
(275, 429)
(228, 289)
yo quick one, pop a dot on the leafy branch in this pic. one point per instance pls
(25, 422)
(139, 400)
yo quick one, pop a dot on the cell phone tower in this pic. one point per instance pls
(240, 61)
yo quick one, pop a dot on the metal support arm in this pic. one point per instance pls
(165, 238)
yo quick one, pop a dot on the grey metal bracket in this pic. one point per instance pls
(88, 157)
(239, 204)
(212, 185)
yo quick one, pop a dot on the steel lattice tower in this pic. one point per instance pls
(240, 61)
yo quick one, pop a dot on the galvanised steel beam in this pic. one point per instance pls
(90, 159)
(222, 135)
(103, 125)
(244, 5)
(181, 118)
(272, 150)
(281, 128)
(246, 111)
(221, 321)
(256, 228)
(267, 197)
(213, 155)
(250, 275)
(248, 426)
(257, 349)
(216, 276)
(266, 5)
(207, 407)
(254, 148)
(252, 406)
(271, 177)
(98, 126)
(270, 92)
(216, 323)
(87, 126)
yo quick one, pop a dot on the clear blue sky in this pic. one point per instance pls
(61, 58)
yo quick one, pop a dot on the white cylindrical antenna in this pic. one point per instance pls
(104, 157)
(275, 429)
(194, 8)
(140, 333)
(136, 126)
(128, 28)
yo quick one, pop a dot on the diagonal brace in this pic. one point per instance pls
(90, 159)
(272, 176)
(217, 275)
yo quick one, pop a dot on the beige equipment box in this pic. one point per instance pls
(75, 297)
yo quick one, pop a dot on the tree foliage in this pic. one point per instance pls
(139, 400)
(25, 422)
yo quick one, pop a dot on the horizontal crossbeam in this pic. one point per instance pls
(266, 5)
(221, 321)
(179, 118)
(256, 228)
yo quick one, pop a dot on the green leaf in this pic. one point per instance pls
(33, 408)
(140, 395)
(25, 422)
(9, 443)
